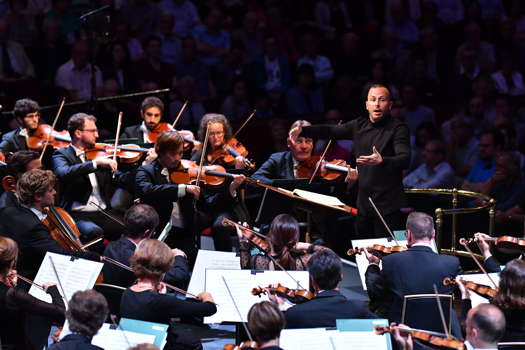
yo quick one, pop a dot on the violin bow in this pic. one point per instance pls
(180, 114)
(52, 127)
(108, 215)
(237, 309)
(383, 220)
(441, 313)
(27, 280)
(464, 243)
(126, 267)
(204, 149)
(244, 124)
(113, 319)
(328, 144)
(119, 124)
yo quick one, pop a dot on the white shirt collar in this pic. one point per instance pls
(421, 244)
(40, 215)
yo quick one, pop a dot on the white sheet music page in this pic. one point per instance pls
(117, 339)
(241, 283)
(211, 259)
(75, 274)
(305, 339)
(358, 340)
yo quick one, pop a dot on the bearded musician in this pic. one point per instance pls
(174, 202)
(219, 133)
(27, 113)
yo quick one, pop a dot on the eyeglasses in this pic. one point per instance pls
(90, 130)
(216, 133)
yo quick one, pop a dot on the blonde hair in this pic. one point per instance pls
(152, 259)
(8, 255)
(34, 182)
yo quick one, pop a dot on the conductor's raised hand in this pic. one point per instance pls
(373, 159)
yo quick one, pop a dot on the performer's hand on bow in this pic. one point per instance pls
(237, 181)
(294, 133)
(150, 156)
(403, 339)
(352, 175)
(481, 240)
(195, 191)
(178, 252)
(46, 285)
(373, 159)
(372, 259)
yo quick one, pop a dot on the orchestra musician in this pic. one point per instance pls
(86, 313)
(328, 305)
(382, 148)
(27, 113)
(84, 183)
(151, 112)
(402, 272)
(265, 322)
(24, 224)
(140, 221)
(220, 133)
(19, 163)
(16, 303)
(174, 202)
(510, 299)
(147, 299)
(283, 239)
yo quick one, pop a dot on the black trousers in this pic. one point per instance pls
(92, 224)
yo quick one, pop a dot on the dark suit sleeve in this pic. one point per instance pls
(127, 133)
(8, 145)
(401, 158)
(335, 132)
(179, 274)
(39, 240)
(376, 285)
(65, 172)
(492, 265)
(27, 303)
(148, 190)
(267, 171)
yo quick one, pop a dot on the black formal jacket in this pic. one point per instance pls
(153, 188)
(13, 142)
(74, 178)
(323, 310)
(133, 132)
(382, 182)
(75, 341)
(122, 250)
(278, 166)
(33, 239)
(414, 271)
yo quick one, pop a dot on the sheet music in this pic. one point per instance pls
(318, 198)
(480, 278)
(211, 259)
(76, 274)
(241, 283)
(358, 340)
(306, 339)
(117, 339)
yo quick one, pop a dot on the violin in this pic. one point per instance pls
(226, 154)
(126, 153)
(187, 172)
(480, 289)
(333, 170)
(189, 143)
(506, 244)
(62, 228)
(245, 345)
(433, 338)
(378, 250)
(254, 237)
(57, 139)
(296, 296)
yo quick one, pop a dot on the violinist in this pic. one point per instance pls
(24, 225)
(151, 112)
(174, 202)
(20, 162)
(27, 113)
(16, 304)
(489, 261)
(328, 305)
(231, 208)
(265, 322)
(84, 182)
(285, 248)
(401, 273)
(147, 299)
(510, 299)
(140, 221)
